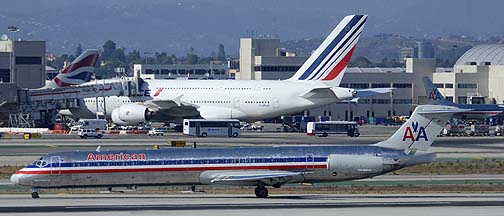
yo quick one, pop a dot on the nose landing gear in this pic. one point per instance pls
(261, 192)
(35, 194)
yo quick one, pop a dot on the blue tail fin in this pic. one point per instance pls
(434, 97)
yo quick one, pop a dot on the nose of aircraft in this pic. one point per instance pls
(15, 179)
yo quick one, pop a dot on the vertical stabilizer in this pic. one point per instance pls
(79, 71)
(434, 97)
(329, 61)
(421, 129)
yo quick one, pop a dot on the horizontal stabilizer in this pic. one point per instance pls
(319, 92)
(369, 92)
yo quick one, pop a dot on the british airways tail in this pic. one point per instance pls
(421, 129)
(79, 71)
(433, 95)
(330, 59)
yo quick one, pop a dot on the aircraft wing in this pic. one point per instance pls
(167, 104)
(253, 178)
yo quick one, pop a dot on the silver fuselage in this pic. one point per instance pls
(173, 166)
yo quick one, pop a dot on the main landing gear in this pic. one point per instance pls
(261, 192)
(35, 194)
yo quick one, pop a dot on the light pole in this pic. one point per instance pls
(12, 30)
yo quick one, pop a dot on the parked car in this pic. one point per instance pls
(499, 130)
(85, 133)
(156, 132)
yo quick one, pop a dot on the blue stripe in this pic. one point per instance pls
(330, 47)
(345, 44)
(181, 162)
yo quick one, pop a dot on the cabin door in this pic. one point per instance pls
(276, 103)
(310, 162)
(55, 165)
(236, 102)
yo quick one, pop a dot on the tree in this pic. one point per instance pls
(191, 59)
(134, 57)
(108, 48)
(361, 62)
(221, 54)
(118, 55)
(78, 50)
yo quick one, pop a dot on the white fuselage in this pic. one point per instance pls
(237, 99)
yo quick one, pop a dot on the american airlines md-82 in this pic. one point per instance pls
(315, 84)
(247, 166)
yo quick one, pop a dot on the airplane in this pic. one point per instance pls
(315, 84)
(245, 166)
(475, 111)
(78, 72)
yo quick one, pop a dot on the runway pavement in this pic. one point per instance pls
(237, 204)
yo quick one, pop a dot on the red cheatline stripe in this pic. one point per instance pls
(172, 169)
(340, 66)
(89, 60)
(158, 92)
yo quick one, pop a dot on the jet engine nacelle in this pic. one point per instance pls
(344, 93)
(354, 164)
(130, 114)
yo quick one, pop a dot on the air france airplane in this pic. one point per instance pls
(246, 166)
(315, 84)
(475, 111)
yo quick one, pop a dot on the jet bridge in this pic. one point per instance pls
(43, 104)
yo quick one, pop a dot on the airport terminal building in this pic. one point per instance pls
(474, 79)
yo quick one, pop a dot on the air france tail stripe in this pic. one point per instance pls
(344, 45)
(340, 66)
(339, 60)
(330, 47)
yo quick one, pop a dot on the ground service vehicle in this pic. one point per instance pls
(332, 127)
(95, 124)
(156, 132)
(215, 127)
(85, 133)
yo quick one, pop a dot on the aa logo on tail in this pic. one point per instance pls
(435, 95)
(415, 133)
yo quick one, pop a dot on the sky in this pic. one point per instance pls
(177, 26)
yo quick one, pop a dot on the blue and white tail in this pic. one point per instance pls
(421, 129)
(434, 97)
(78, 72)
(330, 59)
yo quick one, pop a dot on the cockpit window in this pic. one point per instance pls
(40, 163)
